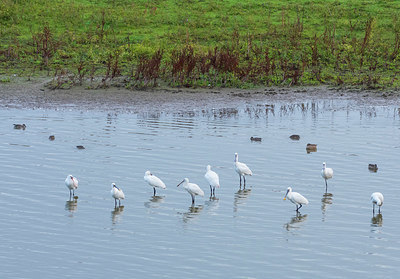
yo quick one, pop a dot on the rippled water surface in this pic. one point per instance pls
(242, 233)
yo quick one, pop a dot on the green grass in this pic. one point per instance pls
(308, 42)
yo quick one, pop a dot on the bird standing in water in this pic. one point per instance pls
(117, 194)
(212, 178)
(295, 198)
(193, 189)
(242, 169)
(72, 184)
(376, 199)
(326, 173)
(154, 181)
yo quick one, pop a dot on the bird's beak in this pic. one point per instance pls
(180, 183)
(284, 198)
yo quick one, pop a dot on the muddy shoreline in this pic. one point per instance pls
(35, 95)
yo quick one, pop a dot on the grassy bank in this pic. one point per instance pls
(202, 43)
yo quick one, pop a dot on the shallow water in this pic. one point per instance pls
(242, 233)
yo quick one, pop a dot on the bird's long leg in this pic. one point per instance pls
(244, 181)
(214, 191)
(119, 202)
(192, 200)
(211, 190)
(115, 203)
(379, 209)
(326, 186)
(73, 192)
(154, 188)
(373, 209)
(300, 206)
(240, 177)
(70, 194)
(297, 208)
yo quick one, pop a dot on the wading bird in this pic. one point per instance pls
(193, 189)
(117, 194)
(154, 181)
(212, 178)
(295, 198)
(72, 184)
(376, 198)
(242, 169)
(326, 173)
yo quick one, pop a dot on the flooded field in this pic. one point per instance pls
(246, 232)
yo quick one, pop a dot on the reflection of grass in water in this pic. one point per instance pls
(230, 43)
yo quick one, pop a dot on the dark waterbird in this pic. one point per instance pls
(311, 147)
(255, 139)
(294, 137)
(373, 167)
(20, 126)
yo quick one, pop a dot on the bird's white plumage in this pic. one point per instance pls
(295, 197)
(71, 182)
(241, 168)
(377, 198)
(326, 173)
(153, 180)
(212, 177)
(193, 189)
(116, 192)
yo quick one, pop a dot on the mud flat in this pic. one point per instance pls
(34, 95)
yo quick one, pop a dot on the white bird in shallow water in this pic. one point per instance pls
(72, 184)
(295, 198)
(376, 198)
(117, 194)
(326, 173)
(154, 181)
(242, 169)
(193, 189)
(212, 178)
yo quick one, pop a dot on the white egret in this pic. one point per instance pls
(117, 194)
(295, 198)
(242, 169)
(72, 184)
(212, 178)
(193, 189)
(376, 198)
(326, 173)
(154, 181)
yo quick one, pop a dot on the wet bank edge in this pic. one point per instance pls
(34, 95)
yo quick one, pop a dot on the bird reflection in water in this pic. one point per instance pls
(377, 220)
(71, 206)
(295, 221)
(192, 213)
(154, 202)
(325, 202)
(116, 214)
(212, 204)
(240, 198)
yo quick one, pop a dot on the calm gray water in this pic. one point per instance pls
(249, 233)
